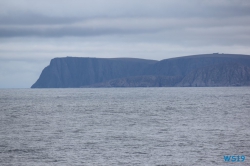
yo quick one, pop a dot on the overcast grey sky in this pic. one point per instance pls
(33, 31)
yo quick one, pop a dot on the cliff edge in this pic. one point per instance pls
(197, 70)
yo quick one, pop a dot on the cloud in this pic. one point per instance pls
(27, 18)
(33, 32)
(108, 8)
(228, 31)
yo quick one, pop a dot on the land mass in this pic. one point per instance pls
(207, 70)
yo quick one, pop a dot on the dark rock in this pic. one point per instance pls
(184, 65)
(196, 70)
(72, 72)
(141, 81)
(227, 74)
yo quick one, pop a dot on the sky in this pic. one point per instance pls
(32, 32)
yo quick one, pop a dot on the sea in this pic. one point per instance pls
(125, 126)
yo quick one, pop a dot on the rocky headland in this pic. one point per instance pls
(207, 70)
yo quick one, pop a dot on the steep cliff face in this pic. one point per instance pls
(197, 70)
(77, 72)
(141, 81)
(227, 74)
(181, 66)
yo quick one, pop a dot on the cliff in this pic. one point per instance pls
(196, 70)
(227, 74)
(141, 81)
(73, 72)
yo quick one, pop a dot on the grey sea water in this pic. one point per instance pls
(124, 126)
